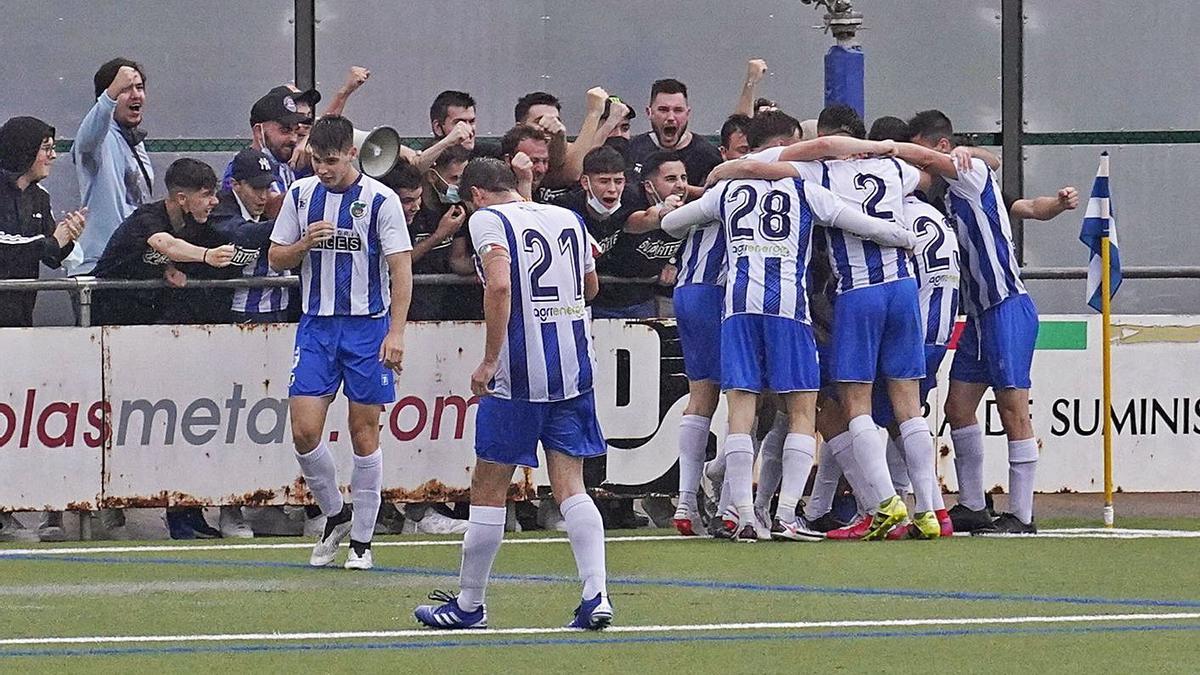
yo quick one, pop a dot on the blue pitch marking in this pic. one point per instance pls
(667, 583)
(415, 645)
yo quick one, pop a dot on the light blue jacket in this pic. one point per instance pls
(111, 185)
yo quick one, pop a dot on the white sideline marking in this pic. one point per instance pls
(1073, 533)
(172, 548)
(777, 625)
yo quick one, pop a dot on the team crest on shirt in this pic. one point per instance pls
(358, 209)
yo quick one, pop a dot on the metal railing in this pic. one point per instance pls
(84, 286)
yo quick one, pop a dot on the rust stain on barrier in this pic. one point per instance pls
(944, 451)
(75, 506)
(176, 498)
(1134, 334)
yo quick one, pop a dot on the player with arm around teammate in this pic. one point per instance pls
(766, 333)
(535, 384)
(346, 233)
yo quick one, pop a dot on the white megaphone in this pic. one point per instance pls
(378, 150)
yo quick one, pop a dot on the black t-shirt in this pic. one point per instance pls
(623, 254)
(699, 157)
(128, 255)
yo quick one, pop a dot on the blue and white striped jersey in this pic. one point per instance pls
(768, 236)
(702, 256)
(346, 275)
(937, 268)
(547, 355)
(985, 238)
(876, 185)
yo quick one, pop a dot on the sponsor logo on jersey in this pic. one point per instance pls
(344, 240)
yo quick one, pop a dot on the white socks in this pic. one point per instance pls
(366, 480)
(693, 441)
(739, 473)
(869, 461)
(917, 443)
(1022, 466)
(829, 474)
(485, 531)
(320, 475)
(770, 462)
(897, 467)
(585, 530)
(798, 451)
(968, 465)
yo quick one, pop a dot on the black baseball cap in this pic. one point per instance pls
(311, 96)
(253, 167)
(276, 107)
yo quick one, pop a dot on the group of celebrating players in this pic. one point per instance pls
(821, 277)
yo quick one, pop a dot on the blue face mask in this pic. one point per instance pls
(450, 196)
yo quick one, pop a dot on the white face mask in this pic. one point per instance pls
(598, 206)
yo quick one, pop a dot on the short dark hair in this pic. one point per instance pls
(452, 155)
(331, 133)
(655, 161)
(667, 86)
(769, 125)
(186, 173)
(443, 101)
(104, 76)
(403, 176)
(513, 137)
(889, 128)
(840, 118)
(932, 125)
(529, 100)
(733, 124)
(603, 160)
(487, 174)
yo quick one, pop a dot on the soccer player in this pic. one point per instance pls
(996, 348)
(876, 305)
(766, 334)
(346, 233)
(535, 384)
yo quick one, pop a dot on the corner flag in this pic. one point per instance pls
(1099, 222)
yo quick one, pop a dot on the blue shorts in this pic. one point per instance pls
(508, 431)
(768, 353)
(331, 350)
(996, 348)
(698, 310)
(881, 404)
(878, 333)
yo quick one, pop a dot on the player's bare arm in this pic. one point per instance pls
(929, 160)
(288, 256)
(1047, 207)
(497, 298)
(391, 351)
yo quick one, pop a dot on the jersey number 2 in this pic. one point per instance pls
(876, 190)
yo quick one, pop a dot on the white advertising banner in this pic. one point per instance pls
(156, 415)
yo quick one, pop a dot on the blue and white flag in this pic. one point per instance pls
(1099, 221)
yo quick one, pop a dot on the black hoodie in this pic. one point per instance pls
(26, 224)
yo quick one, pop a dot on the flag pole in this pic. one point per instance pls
(1105, 313)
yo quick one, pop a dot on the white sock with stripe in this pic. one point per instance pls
(968, 465)
(320, 475)
(798, 451)
(585, 530)
(485, 531)
(693, 441)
